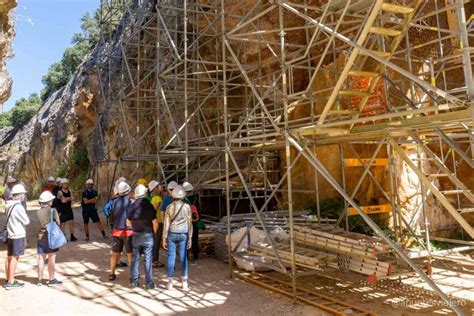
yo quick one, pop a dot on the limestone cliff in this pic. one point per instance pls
(6, 37)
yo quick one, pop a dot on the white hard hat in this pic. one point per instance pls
(46, 197)
(90, 181)
(178, 192)
(152, 185)
(123, 188)
(140, 191)
(51, 179)
(64, 181)
(11, 180)
(18, 189)
(58, 180)
(188, 187)
(172, 185)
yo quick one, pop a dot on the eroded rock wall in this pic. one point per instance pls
(7, 33)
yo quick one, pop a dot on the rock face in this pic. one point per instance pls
(6, 37)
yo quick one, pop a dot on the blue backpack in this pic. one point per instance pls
(56, 238)
(107, 209)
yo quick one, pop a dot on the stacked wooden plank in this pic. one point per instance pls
(355, 252)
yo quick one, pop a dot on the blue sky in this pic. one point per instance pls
(44, 28)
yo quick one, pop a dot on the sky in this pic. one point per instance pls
(44, 28)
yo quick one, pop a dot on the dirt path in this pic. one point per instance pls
(82, 266)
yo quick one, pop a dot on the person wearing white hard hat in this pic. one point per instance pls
(177, 233)
(155, 189)
(193, 200)
(64, 206)
(121, 179)
(50, 185)
(90, 197)
(121, 231)
(16, 220)
(7, 194)
(142, 218)
(44, 251)
(167, 199)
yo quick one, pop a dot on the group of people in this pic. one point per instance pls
(142, 221)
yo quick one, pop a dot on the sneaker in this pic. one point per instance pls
(194, 262)
(150, 286)
(169, 286)
(185, 285)
(54, 282)
(40, 282)
(87, 238)
(122, 264)
(73, 238)
(133, 285)
(13, 286)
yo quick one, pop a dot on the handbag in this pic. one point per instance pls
(4, 232)
(56, 238)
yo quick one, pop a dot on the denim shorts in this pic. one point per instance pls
(16, 247)
(43, 247)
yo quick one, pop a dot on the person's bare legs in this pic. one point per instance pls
(63, 227)
(99, 226)
(6, 269)
(86, 229)
(13, 260)
(129, 258)
(51, 265)
(41, 258)
(113, 261)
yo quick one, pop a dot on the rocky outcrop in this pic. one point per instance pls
(6, 37)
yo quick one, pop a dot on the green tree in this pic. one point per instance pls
(25, 109)
(6, 119)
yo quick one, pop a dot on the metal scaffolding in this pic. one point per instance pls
(233, 96)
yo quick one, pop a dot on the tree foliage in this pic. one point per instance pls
(22, 112)
(60, 72)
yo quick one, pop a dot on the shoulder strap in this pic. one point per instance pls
(51, 215)
(177, 213)
(9, 212)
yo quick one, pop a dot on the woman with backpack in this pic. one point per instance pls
(44, 251)
(177, 234)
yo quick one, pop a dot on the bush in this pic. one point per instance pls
(75, 168)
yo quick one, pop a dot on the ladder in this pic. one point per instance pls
(375, 30)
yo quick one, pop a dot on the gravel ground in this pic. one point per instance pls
(83, 268)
